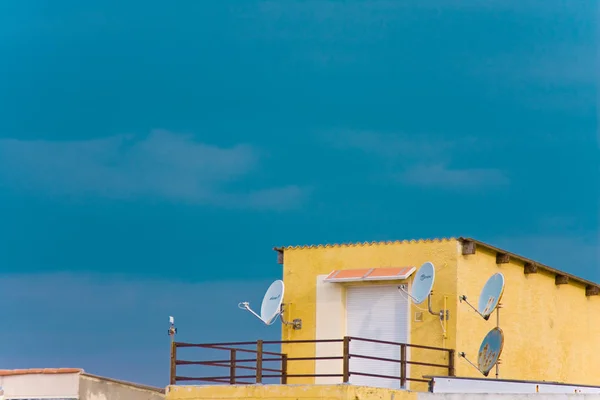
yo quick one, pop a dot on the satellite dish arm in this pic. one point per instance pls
(246, 306)
(464, 298)
(401, 288)
(463, 355)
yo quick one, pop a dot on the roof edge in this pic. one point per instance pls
(363, 244)
(126, 383)
(441, 240)
(528, 260)
(39, 371)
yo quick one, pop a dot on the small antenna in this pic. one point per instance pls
(172, 328)
(173, 356)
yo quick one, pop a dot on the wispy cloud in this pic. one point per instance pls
(423, 160)
(163, 165)
(116, 326)
(440, 175)
(566, 65)
(389, 145)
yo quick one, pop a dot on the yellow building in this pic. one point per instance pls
(360, 290)
(548, 317)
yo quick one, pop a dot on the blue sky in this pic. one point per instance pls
(152, 154)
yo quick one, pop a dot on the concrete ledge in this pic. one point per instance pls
(280, 392)
(341, 392)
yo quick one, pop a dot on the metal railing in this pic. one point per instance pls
(268, 365)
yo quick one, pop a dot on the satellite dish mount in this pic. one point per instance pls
(489, 301)
(272, 306)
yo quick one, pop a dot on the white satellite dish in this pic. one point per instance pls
(490, 295)
(423, 283)
(271, 304)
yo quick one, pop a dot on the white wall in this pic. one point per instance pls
(96, 388)
(330, 324)
(31, 386)
(538, 396)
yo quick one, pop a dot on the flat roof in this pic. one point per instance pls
(36, 371)
(525, 260)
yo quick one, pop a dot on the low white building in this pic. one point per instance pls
(70, 384)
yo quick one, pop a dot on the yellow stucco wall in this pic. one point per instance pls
(277, 392)
(548, 328)
(303, 265)
(551, 332)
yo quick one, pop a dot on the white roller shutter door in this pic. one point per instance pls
(381, 313)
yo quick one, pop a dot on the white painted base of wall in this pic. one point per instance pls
(330, 323)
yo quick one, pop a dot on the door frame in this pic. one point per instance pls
(376, 284)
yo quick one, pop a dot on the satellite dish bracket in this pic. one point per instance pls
(296, 324)
(442, 313)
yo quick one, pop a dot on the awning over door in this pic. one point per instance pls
(370, 274)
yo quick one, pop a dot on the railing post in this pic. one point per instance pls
(346, 358)
(284, 369)
(259, 357)
(173, 370)
(403, 365)
(451, 371)
(232, 370)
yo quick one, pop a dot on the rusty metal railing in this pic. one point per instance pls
(274, 365)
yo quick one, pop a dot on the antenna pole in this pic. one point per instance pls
(173, 363)
(498, 326)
